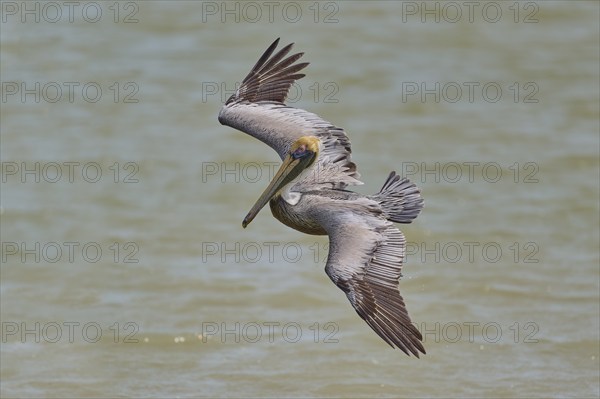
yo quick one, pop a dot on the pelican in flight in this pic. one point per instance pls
(309, 193)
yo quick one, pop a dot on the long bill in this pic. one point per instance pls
(288, 171)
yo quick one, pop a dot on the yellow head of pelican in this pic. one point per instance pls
(301, 155)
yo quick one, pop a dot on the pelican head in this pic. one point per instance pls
(301, 156)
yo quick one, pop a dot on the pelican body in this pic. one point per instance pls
(309, 193)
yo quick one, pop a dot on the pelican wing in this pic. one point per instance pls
(258, 109)
(365, 260)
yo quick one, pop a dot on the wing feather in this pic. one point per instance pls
(365, 259)
(258, 84)
(257, 108)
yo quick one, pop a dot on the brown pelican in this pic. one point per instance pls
(309, 194)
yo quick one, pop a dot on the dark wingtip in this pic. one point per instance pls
(274, 44)
(271, 77)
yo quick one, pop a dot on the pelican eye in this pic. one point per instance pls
(300, 152)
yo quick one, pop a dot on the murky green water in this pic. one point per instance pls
(125, 270)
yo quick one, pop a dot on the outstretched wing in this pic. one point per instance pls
(257, 108)
(365, 260)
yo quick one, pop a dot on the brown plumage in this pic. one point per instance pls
(309, 193)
